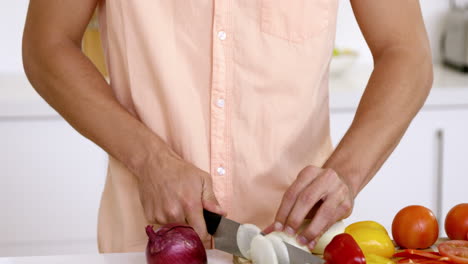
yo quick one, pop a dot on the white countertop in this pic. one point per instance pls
(450, 88)
(19, 99)
(214, 257)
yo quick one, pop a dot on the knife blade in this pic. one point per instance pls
(300, 256)
(224, 232)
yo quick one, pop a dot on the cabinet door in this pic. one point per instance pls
(454, 136)
(51, 181)
(408, 177)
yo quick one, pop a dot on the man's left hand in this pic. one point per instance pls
(314, 187)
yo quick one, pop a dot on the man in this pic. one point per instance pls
(223, 105)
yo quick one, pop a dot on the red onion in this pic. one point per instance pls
(174, 244)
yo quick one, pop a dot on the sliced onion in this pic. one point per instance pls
(245, 234)
(289, 239)
(262, 251)
(324, 240)
(280, 249)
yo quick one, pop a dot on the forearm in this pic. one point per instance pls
(71, 84)
(397, 89)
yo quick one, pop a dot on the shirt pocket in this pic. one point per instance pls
(295, 20)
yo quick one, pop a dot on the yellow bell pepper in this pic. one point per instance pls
(376, 259)
(372, 237)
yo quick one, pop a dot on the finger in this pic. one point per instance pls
(209, 200)
(322, 221)
(313, 211)
(269, 229)
(307, 199)
(207, 243)
(194, 216)
(304, 178)
(332, 210)
(173, 214)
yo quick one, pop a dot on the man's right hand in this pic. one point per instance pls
(171, 190)
(175, 191)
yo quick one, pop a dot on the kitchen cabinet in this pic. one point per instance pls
(454, 172)
(429, 167)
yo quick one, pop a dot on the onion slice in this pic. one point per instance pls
(324, 240)
(289, 239)
(280, 248)
(245, 235)
(262, 251)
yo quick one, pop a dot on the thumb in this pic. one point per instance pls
(209, 200)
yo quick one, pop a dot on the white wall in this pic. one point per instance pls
(13, 13)
(12, 17)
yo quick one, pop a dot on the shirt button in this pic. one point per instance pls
(222, 35)
(221, 171)
(220, 103)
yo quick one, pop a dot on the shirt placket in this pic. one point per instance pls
(221, 76)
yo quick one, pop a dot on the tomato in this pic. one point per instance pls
(415, 226)
(455, 250)
(456, 222)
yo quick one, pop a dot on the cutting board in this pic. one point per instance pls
(214, 257)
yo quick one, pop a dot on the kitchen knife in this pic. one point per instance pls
(224, 232)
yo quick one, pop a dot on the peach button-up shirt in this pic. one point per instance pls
(239, 88)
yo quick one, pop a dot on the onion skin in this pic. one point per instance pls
(174, 244)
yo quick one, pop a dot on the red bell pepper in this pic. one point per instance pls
(343, 249)
(413, 256)
(422, 261)
(414, 252)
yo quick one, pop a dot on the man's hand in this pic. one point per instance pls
(174, 191)
(171, 190)
(314, 188)
(398, 87)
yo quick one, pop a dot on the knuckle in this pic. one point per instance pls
(310, 234)
(159, 220)
(347, 207)
(306, 197)
(303, 174)
(308, 171)
(294, 222)
(173, 214)
(342, 190)
(290, 195)
(190, 205)
(330, 173)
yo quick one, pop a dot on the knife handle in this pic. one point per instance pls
(212, 221)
